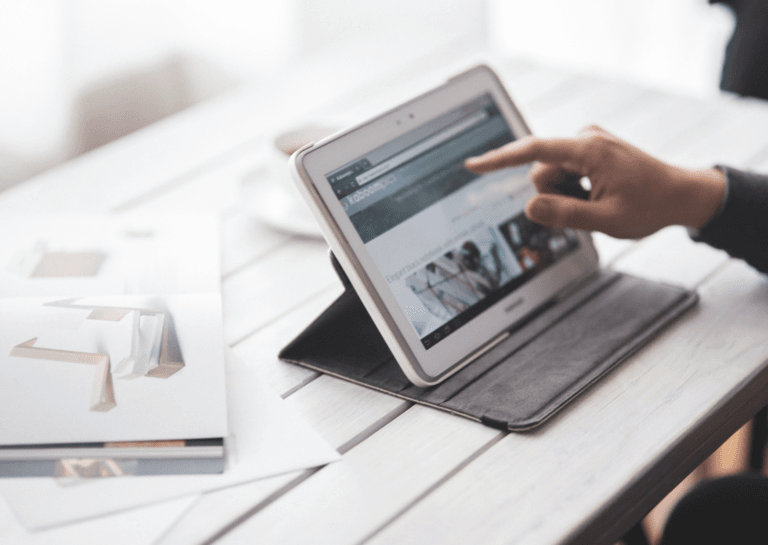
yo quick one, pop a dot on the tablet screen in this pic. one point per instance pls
(450, 243)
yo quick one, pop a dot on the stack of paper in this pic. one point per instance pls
(111, 356)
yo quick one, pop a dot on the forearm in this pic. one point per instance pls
(741, 226)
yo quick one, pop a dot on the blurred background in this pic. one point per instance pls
(77, 74)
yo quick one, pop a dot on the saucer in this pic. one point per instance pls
(270, 195)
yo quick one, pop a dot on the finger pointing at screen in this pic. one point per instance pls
(632, 193)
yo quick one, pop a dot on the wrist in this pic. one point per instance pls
(700, 196)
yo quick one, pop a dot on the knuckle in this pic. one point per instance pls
(597, 140)
(597, 146)
(591, 128)
(567, 216)
(532, 144)
(538, 171)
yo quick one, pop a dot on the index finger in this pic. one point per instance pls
(561, 151)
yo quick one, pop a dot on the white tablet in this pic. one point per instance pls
(444, 260)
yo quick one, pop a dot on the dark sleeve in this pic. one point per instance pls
(741, 226)
(732, 3)
(746, 55)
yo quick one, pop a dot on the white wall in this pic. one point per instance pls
(33, 94)
(675, 45)
(60, 57)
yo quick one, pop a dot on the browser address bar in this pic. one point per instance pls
(431, 142)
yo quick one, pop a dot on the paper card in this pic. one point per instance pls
(267, 438)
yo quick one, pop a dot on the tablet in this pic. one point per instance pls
(444, 260)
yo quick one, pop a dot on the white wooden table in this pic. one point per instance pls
(411, 474)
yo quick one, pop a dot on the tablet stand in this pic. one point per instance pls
(524, 380)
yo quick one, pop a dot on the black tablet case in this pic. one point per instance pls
(521, 382)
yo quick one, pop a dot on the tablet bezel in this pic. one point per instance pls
(311, 164)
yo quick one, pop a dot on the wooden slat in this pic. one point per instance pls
(343, 502)
(344, 413)
(284, 279)
(671, 256)
(539, 487)
(609, 248)
(261, 349)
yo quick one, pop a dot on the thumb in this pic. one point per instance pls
(559, 211)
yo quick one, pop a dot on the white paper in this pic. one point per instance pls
(136, 527)
(48, 396)
(60, 254)
(268, 438)
(216, 510)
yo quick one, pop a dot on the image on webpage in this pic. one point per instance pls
(450, 284)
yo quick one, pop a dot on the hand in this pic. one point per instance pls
(633, 194)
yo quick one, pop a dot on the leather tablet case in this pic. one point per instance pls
(524, 380)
